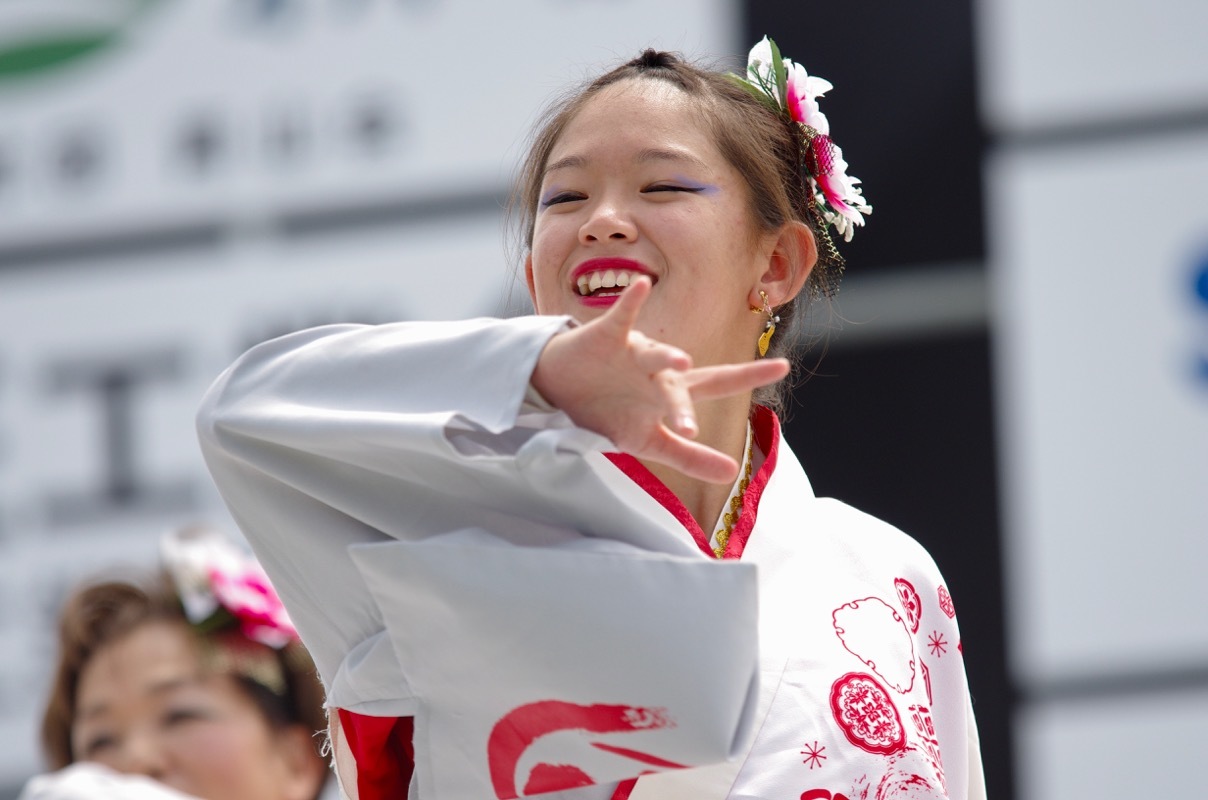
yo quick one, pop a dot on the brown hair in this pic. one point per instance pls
(764, 147)
(102, 612)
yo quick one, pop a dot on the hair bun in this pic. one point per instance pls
(653, 59)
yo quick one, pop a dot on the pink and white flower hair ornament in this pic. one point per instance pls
(785, 87)
(223, 587)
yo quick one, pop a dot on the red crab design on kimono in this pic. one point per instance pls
(518, 730)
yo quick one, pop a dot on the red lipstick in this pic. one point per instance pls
(602, 265)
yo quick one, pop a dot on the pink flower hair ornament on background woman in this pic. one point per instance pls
(219, 584)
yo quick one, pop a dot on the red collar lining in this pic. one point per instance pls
(766, 429)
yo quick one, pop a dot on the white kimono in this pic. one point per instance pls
(484, 591)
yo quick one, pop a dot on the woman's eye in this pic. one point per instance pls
(179, 715)
(671, 187)
(562, 197)
(98, 745)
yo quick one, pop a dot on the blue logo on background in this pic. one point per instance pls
(1199, 296)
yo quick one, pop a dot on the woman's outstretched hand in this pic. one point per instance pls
(641, 393)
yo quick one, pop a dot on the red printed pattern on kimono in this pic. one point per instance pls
(911, 604)
(925, 727)
(946, 604)
(867, 715)
(520, 728)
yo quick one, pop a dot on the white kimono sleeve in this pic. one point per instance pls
(84, 780)
(450, 553)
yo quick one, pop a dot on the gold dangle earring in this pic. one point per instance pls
(765, 338)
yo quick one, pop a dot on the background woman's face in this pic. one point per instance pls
(636, 184)
(144, 706)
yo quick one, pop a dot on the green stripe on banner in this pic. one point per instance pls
(34, 56)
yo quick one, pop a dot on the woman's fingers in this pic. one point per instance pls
(691, 458)
(648, 353)
(642, 393)
(654, 357)
(677, 398)
(708, 383)
(624, 312)
(673, 444)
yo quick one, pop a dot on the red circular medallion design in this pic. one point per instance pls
(866, 714)
(911, 604)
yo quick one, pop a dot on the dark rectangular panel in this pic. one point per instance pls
(904, 109)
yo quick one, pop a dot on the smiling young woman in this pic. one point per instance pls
(563, 552)
(629, 183)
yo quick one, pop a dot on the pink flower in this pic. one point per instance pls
(250, 597)
(845, 205)
(212, 574)
(841, 193)
(803, 91)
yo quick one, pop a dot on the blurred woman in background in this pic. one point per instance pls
(188, 682)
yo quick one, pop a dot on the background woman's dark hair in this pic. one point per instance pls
(764, 147)
(100, 613)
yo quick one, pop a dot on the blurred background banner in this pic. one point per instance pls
(1098, 224)
(1016, 369)
(180, 179)
(1105, 408)
(161, 116)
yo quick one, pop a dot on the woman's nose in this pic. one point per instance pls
(608, 221)
(142, 754)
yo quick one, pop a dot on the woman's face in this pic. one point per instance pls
(144, 706)
(636, 185)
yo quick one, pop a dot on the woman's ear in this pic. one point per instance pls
(528, 279)
(791, 259)
(305, 770)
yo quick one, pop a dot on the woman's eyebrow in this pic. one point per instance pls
(566, 163)
(89, 712)
(644, 156)
(172, 684)
(158, 689)
(678, 156)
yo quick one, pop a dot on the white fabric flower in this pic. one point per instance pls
(760, 66)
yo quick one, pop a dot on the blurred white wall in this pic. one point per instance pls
(1098, 225)
(182, 178)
